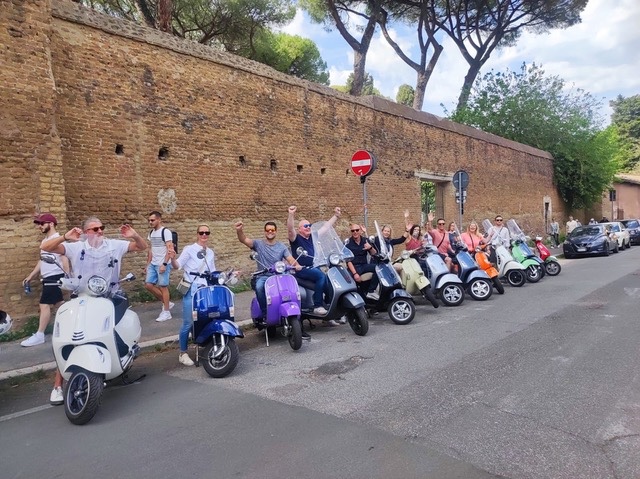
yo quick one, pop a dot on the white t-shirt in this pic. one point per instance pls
(109, 254)
(190, 262)
(499, 235)
(46, 269)
(159, 245)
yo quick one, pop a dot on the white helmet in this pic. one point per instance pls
(5, 322)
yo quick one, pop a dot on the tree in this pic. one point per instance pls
(535, 109)
(405, 95)
(422, 14)
(337, 13)
(626, 118)
(293, 55)
(478, 27)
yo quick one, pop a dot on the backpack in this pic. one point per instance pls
(174, 238)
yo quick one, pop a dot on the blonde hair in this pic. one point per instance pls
(201, 225)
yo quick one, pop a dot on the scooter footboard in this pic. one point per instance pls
(90, 357)
(400, 293)
(223, 326)
(351, 300)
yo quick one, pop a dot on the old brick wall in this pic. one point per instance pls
(30, 158)
(148, 121)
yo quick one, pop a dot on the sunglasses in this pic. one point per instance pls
(204, 233)
(355, 231)
(308, 225)
(440, 224)
(269, 230)
(499, 221)
(95, 229)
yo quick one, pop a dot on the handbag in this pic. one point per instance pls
(183, 286)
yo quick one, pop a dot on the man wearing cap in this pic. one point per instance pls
(51, 273)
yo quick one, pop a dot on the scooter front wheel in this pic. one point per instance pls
(534, 273)
(220, 361)
(82, 396)
(516, 277)
(358, 321)
(498, 284)
(295, 335)
(480, 289)
(452, 294)
(401, 310)
(553, 268)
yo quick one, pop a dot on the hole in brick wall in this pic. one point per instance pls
(346, 172)
(243, 162)
(163, 153)
(299, 168)
(274, 165)
(323, 171)
(119, 149)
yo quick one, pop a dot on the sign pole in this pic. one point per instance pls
(363, 180)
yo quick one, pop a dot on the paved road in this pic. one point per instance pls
(539, 383)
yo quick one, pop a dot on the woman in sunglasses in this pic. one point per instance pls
(195, 258)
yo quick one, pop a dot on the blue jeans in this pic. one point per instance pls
(187, 321)
(319, 279)
(260, 293)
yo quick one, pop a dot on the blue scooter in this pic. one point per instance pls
(214, 328)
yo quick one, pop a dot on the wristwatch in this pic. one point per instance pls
(165, 264)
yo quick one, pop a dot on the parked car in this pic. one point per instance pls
(622, 234)
(589, 240)
(633, 226)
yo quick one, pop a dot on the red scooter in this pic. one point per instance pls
(551, 264)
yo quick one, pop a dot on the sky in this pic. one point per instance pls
(600, 55)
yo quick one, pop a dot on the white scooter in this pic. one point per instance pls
(508, 268)
(95, 334)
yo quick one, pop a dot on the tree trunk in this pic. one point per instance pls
(359, 61)
(470, 77)
(424, 76)
(165, 15)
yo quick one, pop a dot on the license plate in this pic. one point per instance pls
(582, 250)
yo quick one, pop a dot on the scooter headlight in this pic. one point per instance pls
(334, 259)
(97, 285)
(280, 267)
(405, 255)
(222, 278)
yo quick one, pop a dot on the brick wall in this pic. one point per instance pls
(139, 120)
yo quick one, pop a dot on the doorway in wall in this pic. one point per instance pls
(432, 198)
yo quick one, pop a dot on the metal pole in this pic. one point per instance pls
(363, 179)
(461, 191)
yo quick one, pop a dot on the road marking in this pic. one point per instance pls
(15, 415)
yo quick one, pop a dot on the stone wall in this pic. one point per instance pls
(127, 120)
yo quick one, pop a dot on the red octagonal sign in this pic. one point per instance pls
(363, 163)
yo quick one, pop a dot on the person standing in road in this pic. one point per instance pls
(554, 230)
(73, 245)
(571, 225)
(158, 264)
(195, 258)
(51, 273)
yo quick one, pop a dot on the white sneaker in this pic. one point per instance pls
(56, 398)
(164, 316)
(320, 310)
(34, 340)
(185, 359)
(343, 320)
(373, 295)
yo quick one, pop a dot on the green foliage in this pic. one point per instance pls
(292, 55)
(532, 108)
(626, 118)
(30, 327)
(405, 95)
(367, 87)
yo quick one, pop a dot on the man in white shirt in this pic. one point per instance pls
(571, 225)
(50, 273)
(159, 263)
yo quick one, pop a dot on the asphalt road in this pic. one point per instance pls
(541, 382)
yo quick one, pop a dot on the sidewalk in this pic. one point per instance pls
(16, 360)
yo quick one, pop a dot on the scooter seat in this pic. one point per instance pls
(366, 277)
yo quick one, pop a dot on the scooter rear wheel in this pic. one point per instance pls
(225, 362)
(553, 268)
(82, 396)
(401, 310)
(358, 321)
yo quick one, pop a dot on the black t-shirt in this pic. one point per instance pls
(359, 253)
(307, 245)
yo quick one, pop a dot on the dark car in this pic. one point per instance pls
(633, 226)
(588, 240)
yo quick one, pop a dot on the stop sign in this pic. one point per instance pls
(363, 163)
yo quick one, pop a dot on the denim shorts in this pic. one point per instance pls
(156, 277)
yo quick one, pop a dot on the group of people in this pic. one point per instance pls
(199, 257)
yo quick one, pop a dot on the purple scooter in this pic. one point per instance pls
(283, 304)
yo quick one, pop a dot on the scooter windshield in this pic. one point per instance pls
(96, 270)
(515, 231)
(327, 242)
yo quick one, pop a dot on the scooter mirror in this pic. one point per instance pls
(48, 258)
(130, 277)
(253, 256)
(202, 253)
(301, 251)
